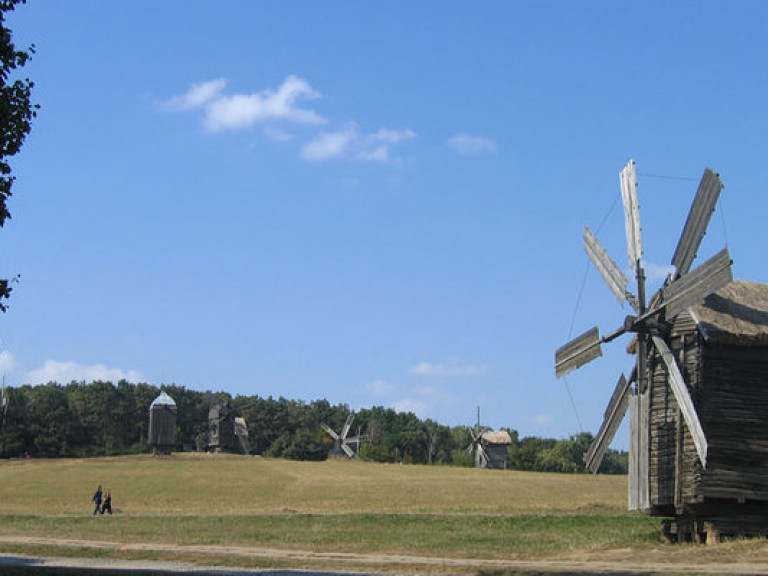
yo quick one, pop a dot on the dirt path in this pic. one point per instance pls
(349, 561)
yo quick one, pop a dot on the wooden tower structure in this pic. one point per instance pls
(162, 424)
(227, 430)
(698, 415)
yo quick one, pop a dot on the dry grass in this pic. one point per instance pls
(235, 485)
(234, 510)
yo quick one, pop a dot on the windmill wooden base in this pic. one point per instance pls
(718, 520)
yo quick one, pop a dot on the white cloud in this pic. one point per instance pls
(428, 369)
(7, 361)
(393, 136)
(467, 144)
(410, 405)
(244, 110)
(65, 372)
(197, 95)
(234, 111)
(378, 154)
(380, 388)
(328, 145)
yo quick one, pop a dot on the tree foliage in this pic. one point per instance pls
(16, 114)
(100, 418)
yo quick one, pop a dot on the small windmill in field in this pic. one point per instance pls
(488, 447)
(342, 443)
(696, 394)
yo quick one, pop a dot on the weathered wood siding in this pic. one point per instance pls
(734, 412)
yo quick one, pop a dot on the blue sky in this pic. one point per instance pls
(373, 203)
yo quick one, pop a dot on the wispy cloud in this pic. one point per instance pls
(429, 369)
(328, 145)
(65, 372)
(410, 405)
(347, 142)
(468, 144)
(235, 111)
(280, 111)
(198, 95)
(380, 388)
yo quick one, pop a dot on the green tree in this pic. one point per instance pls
(16, 114)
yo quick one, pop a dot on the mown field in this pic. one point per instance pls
(245, 511)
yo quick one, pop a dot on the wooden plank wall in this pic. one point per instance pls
(734, 411)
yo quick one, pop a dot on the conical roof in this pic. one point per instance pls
(162, 400)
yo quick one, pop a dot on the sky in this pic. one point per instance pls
(375, 203)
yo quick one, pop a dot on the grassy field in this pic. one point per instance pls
(242, 511)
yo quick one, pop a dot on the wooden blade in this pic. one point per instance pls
(611, 273)
(697, 221)
(614, 414)
(684, 401)
(703, 281)
(631, 213)
(347, 450)
(330, 431)
(347, 425)
(577, 352)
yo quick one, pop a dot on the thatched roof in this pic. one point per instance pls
(500, 437)
(735, 314)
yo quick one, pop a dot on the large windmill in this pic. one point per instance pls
(342, 442)
(656, 362)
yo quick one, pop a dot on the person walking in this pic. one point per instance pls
(97, 500)
(106, 505)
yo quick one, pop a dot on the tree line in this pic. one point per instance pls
(102, 419)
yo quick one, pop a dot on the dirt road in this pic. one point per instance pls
(614, 562)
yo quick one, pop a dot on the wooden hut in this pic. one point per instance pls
(162, 424)
(721, 345)
(494, 449)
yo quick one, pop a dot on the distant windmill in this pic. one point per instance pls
(476, 447)
(342, 442)
(489, 447)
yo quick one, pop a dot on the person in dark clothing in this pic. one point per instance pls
(106, 506)
(97, 500)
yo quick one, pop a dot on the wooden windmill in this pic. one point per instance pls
(489, 448)
(657, 457)
(342, 442)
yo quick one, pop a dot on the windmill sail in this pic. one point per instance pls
(631, 213)
(697, 221)
(703, 281)
(577, 352)
(611, 273)
(614, 414)
(329, 430)
(680, 391)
